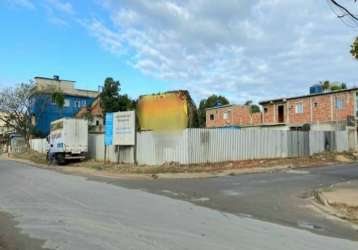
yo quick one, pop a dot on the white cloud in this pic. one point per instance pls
(244, 49)
(64, 7)
(22, 3)
(109, 40)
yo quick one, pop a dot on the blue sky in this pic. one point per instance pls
(242, 49)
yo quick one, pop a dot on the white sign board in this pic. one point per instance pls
(124, 128)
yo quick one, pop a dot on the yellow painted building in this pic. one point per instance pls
(167, 111)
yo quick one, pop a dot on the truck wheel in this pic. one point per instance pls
(60, 159)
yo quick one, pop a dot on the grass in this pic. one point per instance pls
(31, 156)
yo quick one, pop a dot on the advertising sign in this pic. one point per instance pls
(108, 128)
(124, 128)
(120, 128)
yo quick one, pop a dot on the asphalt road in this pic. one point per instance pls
(284, 197)
(72, 212)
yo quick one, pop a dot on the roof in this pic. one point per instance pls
(221, 106)
(48, 78)
(167, 92)
(45, 85)
(227, 106)
(306, 96)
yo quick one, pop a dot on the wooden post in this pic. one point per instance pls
(105, 153)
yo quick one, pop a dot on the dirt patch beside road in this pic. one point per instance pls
(173, 170)
(340, 200)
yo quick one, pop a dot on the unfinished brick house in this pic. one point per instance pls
(325, 110)
(232, 115)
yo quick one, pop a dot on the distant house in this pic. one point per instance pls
(322, 110)
(44, 108)
(232, 115)
(94, 115)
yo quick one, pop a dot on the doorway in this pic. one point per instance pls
(281, 114)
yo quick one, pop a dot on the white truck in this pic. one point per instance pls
(68, 140)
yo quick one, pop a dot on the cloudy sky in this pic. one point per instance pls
(242, 49)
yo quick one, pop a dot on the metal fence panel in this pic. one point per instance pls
(39, 145)
(342, 143)
(96, 150)
(192, 146)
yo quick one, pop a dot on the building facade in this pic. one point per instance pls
(45, 110)
(173, 110)
(94, 115)
(232, 115)
(325, 110)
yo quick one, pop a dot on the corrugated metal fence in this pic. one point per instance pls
(96, 150)
(192, 146)
(39, 145)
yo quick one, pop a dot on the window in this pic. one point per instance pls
(265, 110)
(339, 103)
(83, 102)
(299, 107)
(67, 103)
(77, 104)
(212, 117)
(315, 104)
(226, 115)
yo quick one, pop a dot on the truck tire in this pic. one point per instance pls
(60, 159)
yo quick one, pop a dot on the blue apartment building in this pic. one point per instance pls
(44, 109)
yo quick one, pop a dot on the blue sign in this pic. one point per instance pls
(108, 129)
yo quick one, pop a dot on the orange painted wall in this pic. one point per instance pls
(168, 111)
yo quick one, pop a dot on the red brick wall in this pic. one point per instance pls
(269, 114)
(348, 107)
(321, 108)
(299, 118)
(323, 111)
(257, 118)
(239, 116)
(218, 117)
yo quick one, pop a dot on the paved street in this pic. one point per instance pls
(72, 212)
(283, 197)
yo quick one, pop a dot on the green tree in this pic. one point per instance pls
(16, 104)
(354, 48)
(325, 85)
(109, 96)
(333, 86)
(59, 98)
(254, 108)
(126, 103)
(111, 100)
(210, 102)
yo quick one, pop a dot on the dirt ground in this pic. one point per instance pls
(341, 200)
(173, 170)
